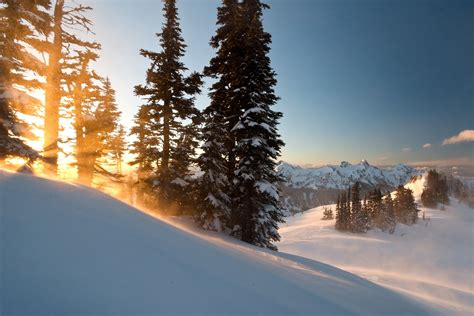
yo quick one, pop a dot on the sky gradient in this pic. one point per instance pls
(376, 80)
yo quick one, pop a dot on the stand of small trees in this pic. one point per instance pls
(436, 190)
(327, 214)
(376, 211)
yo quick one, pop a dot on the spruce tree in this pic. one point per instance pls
(258, 144)
(170, 96)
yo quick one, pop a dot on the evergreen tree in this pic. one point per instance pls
(374, 208)
(436, 190)
(169, 96)
(66, 22)
(359, 215)
(146, 150)
(339, 214)
(227, 96)
(118, 147)
(257, 207)
(85, 93)
(327, 214)
(21, 24)
(343, 215)
(388, 221)
(111, 143)
(217, 161)
(406, 211)
(214, 202)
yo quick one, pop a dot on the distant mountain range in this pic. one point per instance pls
(305, 188)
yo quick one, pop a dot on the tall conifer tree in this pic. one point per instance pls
(170, 100)
(21, 24)
(257, 207)
(217, 161)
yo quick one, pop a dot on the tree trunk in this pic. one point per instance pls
(53, 94)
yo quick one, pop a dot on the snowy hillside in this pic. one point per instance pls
(432, 261)
(344, 175)
(67, 249)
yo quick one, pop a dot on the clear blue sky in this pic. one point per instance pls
(371, 80)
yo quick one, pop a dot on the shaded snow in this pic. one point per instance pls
(66, 249)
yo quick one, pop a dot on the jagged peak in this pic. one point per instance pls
(364, 163)
(345, 164)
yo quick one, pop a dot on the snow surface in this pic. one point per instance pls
(344, 175)
(67, 249)
(432, 261)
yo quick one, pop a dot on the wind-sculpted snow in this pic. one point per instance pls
(66, 249)
(431, 261)
(344, 175)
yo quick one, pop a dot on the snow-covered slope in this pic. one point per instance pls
(66, 249)
(432, 261)
(344, 175)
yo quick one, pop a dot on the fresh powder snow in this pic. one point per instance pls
(68, 249)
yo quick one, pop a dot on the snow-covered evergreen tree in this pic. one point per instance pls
(214, 202)
(217, 161)
(257, 208)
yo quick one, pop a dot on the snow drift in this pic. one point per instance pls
(431, 261)
(67, 249)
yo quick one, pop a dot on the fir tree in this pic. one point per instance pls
(169, 95)
(257, 207)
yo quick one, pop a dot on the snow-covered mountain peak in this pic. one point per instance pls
(344, 175)
(344, 164)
